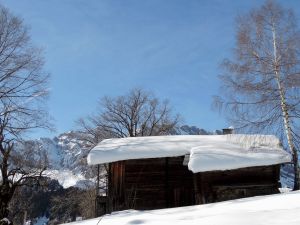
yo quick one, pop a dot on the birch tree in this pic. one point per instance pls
(261, 82)
(22, 94)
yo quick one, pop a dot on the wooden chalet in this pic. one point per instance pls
(172, 171)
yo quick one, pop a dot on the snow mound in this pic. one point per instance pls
(283, 209)
(254, 140)
(207, 152)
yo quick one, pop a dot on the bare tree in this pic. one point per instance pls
(261, 83)
(137, 113)
(22, 94)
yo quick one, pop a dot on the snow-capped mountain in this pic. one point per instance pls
(66, 151)
(66, 158)
(193, 130)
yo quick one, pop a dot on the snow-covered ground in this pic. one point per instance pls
(283, 209)
(41, 221)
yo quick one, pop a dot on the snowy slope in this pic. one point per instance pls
(283, 209)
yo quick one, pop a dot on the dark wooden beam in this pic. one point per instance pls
(167, 182)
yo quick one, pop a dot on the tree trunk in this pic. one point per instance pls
(6, 194)
(4, 207)
(296, 170)
(285, 113)
(5, 189)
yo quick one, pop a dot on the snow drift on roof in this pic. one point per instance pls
(207, 152)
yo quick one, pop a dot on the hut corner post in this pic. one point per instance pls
(97, 191)
(109, 189)
(167, 182)
(199, 197)
(102, 202)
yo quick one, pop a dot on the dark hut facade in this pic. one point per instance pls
(174, 171)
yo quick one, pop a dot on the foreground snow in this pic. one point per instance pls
(207, 152)
(283, 209)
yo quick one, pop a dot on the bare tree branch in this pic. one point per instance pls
(22, 94)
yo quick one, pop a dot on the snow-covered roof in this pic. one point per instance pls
(207, 152)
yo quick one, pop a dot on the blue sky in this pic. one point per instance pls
(96, 48)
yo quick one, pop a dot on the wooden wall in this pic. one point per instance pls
(150, 184)
(166, 182)
(232, 184)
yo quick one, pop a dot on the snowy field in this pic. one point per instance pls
(283, 209)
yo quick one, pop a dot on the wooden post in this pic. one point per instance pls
(110, 192)
(98, 179)
(97, 192)
(167, 182)
(106, 194)
(25, 217)
(196, 190)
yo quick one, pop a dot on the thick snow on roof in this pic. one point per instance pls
(207, 152)
(279, 209)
